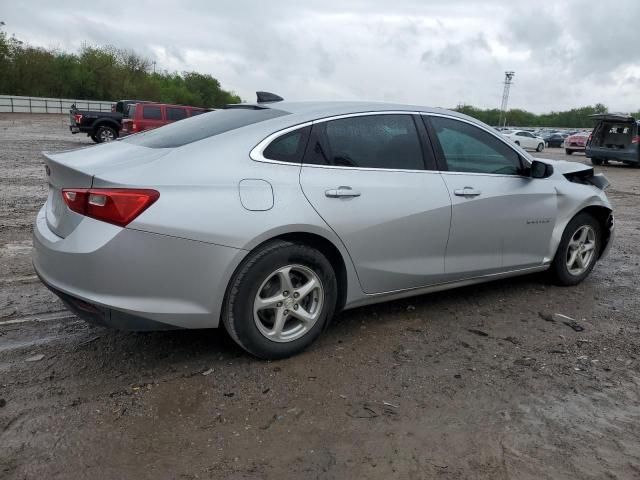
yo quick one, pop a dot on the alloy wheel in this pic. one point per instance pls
(581, 250)
(288, 303)
(106, 135)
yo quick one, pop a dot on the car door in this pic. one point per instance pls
(371, 178)
(502, 219)
(151, 117)
(523, 140)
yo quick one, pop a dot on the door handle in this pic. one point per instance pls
(342, 192)
(467, 192)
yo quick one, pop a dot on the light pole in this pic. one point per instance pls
(508, 80)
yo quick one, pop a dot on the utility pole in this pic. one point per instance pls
(508, 80)
(154, 66)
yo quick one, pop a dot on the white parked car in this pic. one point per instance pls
(525, 139)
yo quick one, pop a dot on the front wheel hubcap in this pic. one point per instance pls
(581, 251)
(288, 303)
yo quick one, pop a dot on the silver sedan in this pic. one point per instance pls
(269, 218)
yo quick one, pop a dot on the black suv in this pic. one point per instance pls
(615, 137)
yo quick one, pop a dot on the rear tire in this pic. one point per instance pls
(568, 269)
(106, 134)
(567, 151)
(596, 161)
(258, 299)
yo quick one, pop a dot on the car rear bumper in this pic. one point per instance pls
(628, 156)
(79, 129)
(106, 317)
(134, 280)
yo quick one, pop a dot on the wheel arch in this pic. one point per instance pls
(331, 252)
(106, 123)
(605, 219)
(346, 277)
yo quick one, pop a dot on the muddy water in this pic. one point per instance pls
(407, 389)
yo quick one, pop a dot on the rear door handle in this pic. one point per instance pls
(342, 192)
(467, 192)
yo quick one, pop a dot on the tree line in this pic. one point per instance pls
(100, 73)
(574, 118)
(109, 73)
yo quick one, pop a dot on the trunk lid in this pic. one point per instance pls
(76, 169)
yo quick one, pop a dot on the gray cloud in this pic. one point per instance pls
(566, 53)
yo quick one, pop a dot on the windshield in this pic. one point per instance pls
(202, 126)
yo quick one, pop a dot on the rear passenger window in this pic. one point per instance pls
(369, 141)
(176, 113)
(289, 147)
(151, 113)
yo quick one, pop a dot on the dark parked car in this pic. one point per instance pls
(615, 137)
(154, 115)
(100, 126)
(554, 140)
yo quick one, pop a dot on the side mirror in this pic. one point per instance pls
(541, 170)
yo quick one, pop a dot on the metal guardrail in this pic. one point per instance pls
(17, 104)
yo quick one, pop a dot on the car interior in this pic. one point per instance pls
(613, 135)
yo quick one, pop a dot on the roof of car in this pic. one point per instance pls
(613, 117)
(330, 108)
(151, 104)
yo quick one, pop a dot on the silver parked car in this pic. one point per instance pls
(271, 217)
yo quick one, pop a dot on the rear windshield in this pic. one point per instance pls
(202, 126)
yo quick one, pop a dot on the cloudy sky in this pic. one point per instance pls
(566, 53)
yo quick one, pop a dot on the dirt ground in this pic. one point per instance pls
(481, 382)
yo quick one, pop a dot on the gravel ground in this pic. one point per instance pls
(478, 382)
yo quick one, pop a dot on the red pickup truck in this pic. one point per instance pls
(147, 116)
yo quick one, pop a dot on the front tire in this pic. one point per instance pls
(540, 147)
(596, 161)
(568, 151)
(280, 299)
(578, 250)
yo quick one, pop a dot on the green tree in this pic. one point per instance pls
(101, 73)
(574, 118)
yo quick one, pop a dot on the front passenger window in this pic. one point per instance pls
(467, 148)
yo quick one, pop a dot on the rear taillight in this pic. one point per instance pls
(119, 206)
(134, 127)
(636, 139)
(77, 118)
